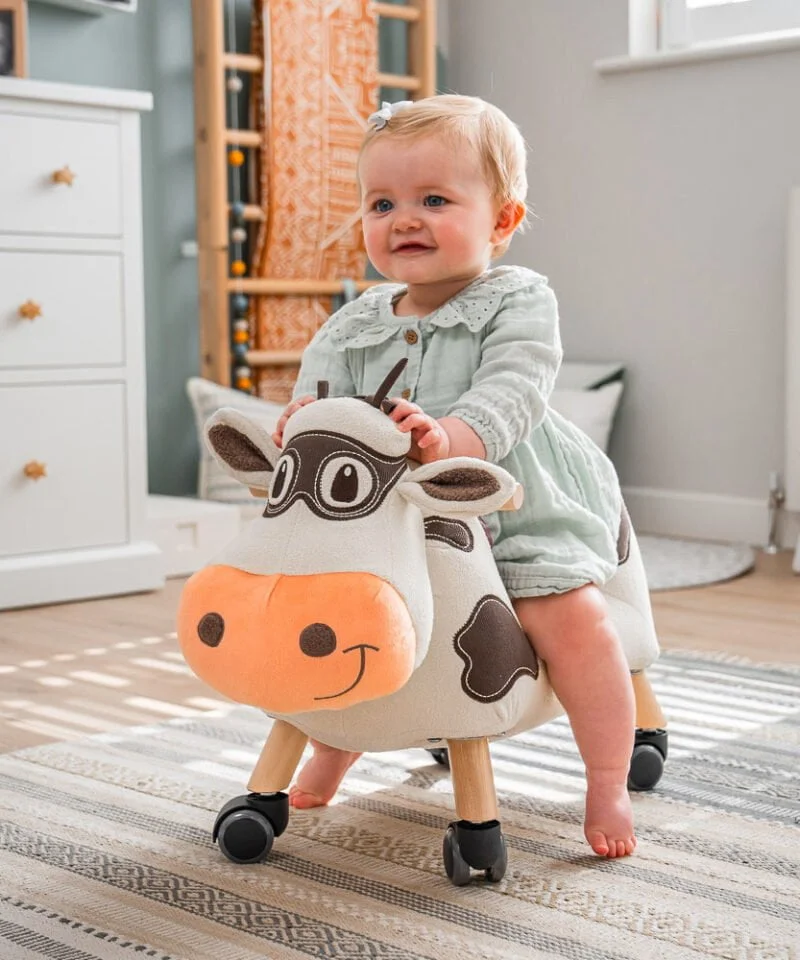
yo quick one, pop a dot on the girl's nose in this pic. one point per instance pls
(406, 220)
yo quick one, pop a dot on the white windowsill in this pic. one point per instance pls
(719, 50)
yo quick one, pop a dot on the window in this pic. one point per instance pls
(689, 22)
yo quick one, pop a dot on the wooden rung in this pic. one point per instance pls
(245, 62)
(274, 358)
(243, 138)
(399, 80)
(391, 12)
(252, 212)
(269, 287)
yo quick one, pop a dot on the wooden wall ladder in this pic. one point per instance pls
(212, 138)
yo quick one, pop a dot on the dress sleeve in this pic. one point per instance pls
(520, 357)
(323, 361)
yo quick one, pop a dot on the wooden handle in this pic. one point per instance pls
(64, 175)
(514, 502)
(35, 470)
(30, 310)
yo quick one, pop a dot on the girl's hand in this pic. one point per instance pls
(429, 440)
(294, 406)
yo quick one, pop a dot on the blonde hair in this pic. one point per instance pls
(497, 140)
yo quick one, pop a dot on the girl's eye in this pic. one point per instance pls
(434, 200)
(382, 206)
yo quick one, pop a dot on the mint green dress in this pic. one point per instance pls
(490, 356)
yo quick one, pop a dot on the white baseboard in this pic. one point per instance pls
(706, 516)
(80, 574)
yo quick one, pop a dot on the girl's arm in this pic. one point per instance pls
(321, 361)
(508, 396)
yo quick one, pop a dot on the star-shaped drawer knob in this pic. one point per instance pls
(30, 310)
(35, 470)
(64, 175)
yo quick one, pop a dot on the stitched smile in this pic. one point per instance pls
(363, 647)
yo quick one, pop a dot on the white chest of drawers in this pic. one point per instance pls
(73, 457)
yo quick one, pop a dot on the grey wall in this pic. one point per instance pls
(661, 197)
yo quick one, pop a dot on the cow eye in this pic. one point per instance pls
(282, 480)
(345, 481)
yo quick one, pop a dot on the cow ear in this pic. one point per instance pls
(460, 487)
(242, 446)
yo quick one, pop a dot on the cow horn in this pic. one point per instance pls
(381, 393)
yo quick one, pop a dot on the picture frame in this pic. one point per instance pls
(13, 38)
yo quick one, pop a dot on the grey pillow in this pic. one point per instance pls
(206, 398)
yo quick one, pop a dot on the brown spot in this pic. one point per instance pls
(461, 484)
(210, 629)
(237, 450)
(454, 533)
(495, 650)
(624, 536)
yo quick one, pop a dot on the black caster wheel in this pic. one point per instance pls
(440, 755)
(245, 836)
(497, 871)
(647, 760)
(474, 846)
(246, 826)
(455, 866)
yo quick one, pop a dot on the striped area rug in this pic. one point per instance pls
(105, 849)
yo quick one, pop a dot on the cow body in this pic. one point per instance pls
(365, 607)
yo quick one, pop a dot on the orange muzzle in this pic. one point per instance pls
(289, 644)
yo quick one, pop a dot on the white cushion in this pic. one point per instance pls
(591, 410)
(213, 482)
(576, 375)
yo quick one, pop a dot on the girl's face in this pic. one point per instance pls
(427, 212)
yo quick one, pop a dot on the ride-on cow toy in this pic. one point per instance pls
(364, 609)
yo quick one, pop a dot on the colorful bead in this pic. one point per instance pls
(238, 268)
(238, 234)
(241, 326)
(235, 157)
(244, 383)
(240, 303)
(235, 83)
(240, 351)
(237, 212)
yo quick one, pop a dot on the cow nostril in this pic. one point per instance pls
(317, 640)
(210, 629)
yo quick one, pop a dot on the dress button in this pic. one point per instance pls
(406, 394)
(411, 336)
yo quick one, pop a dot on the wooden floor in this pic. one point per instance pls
(74, 669)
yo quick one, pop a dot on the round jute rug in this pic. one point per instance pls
(674, 564)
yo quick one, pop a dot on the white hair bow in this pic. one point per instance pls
(381, 117)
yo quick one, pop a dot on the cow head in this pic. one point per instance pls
(324, 601)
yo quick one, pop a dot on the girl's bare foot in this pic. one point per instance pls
(320, 777)
(608, 825)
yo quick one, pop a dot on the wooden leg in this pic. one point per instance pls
(649, 715)
(473, 780)
(279, 759)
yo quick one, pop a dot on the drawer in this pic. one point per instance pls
(77, 432)
(34, 148)
(72, 313)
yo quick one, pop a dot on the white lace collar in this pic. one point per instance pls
(370, 319)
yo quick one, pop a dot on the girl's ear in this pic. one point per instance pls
(509, 217)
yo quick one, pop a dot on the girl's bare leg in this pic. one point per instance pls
(320, 777)
(573, 634)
